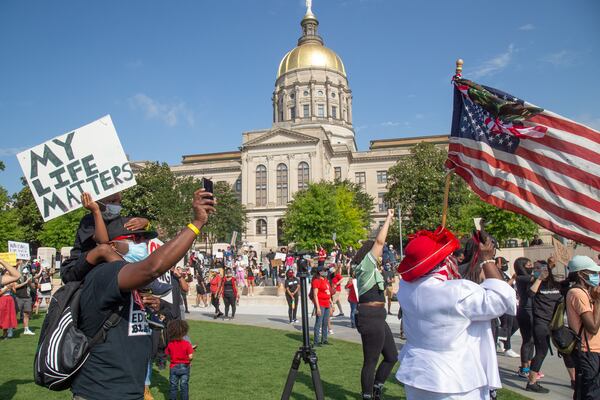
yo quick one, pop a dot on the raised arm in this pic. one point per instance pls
(13, 274)
(137, 275)
(100, 232)
(377, 249)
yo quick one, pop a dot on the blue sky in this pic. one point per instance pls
(184, 77)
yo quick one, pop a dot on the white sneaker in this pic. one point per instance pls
(499, 348)
(28, 332)
(331, 331)
(511, 353)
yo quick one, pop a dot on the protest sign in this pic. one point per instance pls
(233, 238)
(280, 256)
(88, 159)
(20, 248)
(9, 258)
(562, 253)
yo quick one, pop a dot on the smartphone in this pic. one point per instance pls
(207, 184)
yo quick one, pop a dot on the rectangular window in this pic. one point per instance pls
(306, 110)
(321, 110)
(338, 173)
(381, 176)
(381, 202)
(361, 178)
(334, 112)
(292, 112)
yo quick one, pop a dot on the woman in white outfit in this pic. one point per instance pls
(449, 351)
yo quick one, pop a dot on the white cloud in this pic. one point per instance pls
(390, 123)
(10, 151)
(563, 58)
(169, 113)
(493, 65)
(527, 27)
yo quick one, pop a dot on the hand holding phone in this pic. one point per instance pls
(207, 185)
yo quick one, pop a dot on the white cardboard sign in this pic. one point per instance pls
(89, 159)
(20, 248)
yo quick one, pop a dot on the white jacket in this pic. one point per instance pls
(449, 344)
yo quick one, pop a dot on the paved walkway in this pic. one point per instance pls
(271, 312)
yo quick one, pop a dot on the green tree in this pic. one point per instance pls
(362, 199)
(60, 232)
(229, 216)
(319, 211)
(29, 218)
(166, 199)
(417, 182)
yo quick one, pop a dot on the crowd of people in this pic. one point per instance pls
(473, 302)
(22, 298)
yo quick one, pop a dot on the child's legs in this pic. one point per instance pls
(173, 383)
(184, 384)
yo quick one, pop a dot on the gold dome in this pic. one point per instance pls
(311, 55)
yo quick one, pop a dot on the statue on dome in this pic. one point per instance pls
(309, 6)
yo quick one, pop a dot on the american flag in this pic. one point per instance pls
(522, 158)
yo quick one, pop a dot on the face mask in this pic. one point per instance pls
(137, 252)
(593, 279)
(323, 274)
(536, 274)
(504, 268)
(111, 211)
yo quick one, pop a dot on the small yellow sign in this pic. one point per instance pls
(10, 258)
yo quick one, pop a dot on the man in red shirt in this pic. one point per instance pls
(322, 299)
(215, 284)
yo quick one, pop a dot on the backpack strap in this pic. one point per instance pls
(109, 323)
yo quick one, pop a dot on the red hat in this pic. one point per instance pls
(426, 250)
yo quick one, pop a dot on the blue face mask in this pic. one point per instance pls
(536, 274)
(593, 279)
(137, 252)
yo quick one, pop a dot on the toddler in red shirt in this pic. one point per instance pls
(180, 352)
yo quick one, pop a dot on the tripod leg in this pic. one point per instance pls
(316, 377)
(289, 383)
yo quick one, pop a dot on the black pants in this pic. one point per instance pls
(541, 341)
(509, 326)
(214, 299)
(525, 319)
(376, 339)
(229, 300)
(587, 367)
(292, 311)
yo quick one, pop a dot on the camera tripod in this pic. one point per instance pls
(306, 352)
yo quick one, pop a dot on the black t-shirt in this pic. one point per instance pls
(388, 276)
(291, 284)
(249, 272)
(115, 369)
(228, 287)
(545, 301)
(523, 285)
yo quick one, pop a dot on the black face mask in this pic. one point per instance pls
(504, 268)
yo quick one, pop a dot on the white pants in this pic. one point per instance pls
(413, 393)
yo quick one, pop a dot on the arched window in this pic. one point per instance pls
(261, 227)
(282, 184)
(261, 185)
(303, 175)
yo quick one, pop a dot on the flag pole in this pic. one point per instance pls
(457, 74)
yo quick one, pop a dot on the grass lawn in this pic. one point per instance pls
(231, 362)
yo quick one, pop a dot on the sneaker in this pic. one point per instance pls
(511, 353)
(331, 331)
(523, 372)
(326, 343)
(499, 348)
(154, 320)
(157, 288)
(540, 375)
(10, 333)
(339, 315)
(28, 332)
(536, 387)
(295, 321)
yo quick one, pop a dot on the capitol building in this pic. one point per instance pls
(311, 139)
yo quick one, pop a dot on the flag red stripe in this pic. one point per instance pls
(564, 125)
(560, 167)
(568, 147)
(595, 244)
(516, 169)
(530, 197)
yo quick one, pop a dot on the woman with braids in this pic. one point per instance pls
(375, 333)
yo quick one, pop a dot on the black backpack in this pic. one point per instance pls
(563, 337)
(63, 348)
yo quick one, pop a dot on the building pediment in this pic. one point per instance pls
(281, 137)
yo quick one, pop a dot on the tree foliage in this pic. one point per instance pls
(417, 184)
(322, 209)
(60, 232)
(166, 200)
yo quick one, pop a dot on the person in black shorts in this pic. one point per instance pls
(292, 287)
(201, 289)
